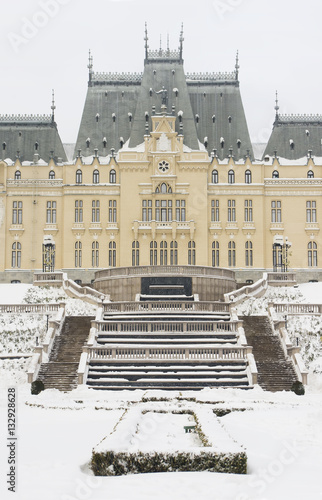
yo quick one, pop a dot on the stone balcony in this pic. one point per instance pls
(51, 229)
(215, 228)
(249, 228)
(231, 228)
(16, 229)
(156, 227)
(277, 227)
(312, 228)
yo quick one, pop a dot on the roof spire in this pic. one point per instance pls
(168, 43)
(146, 40)
(90, 66)
(181, 39)
(276, 106)
(237, 65)
(160, 44)
(53, 107)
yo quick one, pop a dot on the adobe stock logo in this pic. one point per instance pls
(223, 7)
(48, 9)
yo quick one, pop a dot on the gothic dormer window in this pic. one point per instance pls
(51, 174)
(310, 174)
(275, 174)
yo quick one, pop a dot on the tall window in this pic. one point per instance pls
(78, 210)
(275, 174)
(248, 253)
(215, 211)
(248, 177)
(146, 210)
(163, 188)
(135, 253)
(112, 176)
(310, 174)
(17, 212)
(191, 253)
(231, 211)
(231, 177)
(231, 254)
(51, 212)
(95, 211)
(163, 210)
(163, 253)
(276, 211)
(112, 254)
(17, 175)
(78, 254)
(312, 254)
(173, 253)
(95, 254)
(248, 211)
(96, 177)
(112, 214)
(311, 211)
(214, 177)
(181, 210)
(79, 176)
(51, 174)
(153, 253)
(215, 253)
(16, 255)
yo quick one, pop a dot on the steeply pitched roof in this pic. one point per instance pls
(25, 135)
(293, 136)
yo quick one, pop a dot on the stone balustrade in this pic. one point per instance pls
(294, 309)
(167, 306)
(165, 326)
(28, 308)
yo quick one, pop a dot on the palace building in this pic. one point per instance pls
(163, 173)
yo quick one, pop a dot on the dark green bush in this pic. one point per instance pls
(298, 388)
(37, 386)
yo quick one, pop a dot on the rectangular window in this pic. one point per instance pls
(276, 211)
(248, 211)
(51, 212)
(95, 211)
(231, 211)
(78, 210)
(17, 212)
(112, 215)
(215, 211)
(157, 210)
(311, 211)
(180, 210)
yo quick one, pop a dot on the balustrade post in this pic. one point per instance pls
(113, 353)
(186, 353)
(221, 353)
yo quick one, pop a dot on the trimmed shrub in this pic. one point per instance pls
(298, 388)
(37, 386)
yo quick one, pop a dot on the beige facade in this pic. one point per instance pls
(161, 203)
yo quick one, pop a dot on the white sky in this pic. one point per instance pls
(278, 42)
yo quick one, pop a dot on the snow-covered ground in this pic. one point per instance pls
(281, 432)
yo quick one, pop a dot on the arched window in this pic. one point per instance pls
(78, 254)
(135, 253)
(112, 177)
(214, 177)
(16, 255)
(231, 177)
(96, 177)
(153, 253)
(248, 177)
(173, 253)
(4, 146)
(17, 175)
(51, 174)
(163, 188)
(112, 254)
(248, 253)
(36, 146)
(215, 253)
(95, 254)
(79, 176)
(231, 254)
(312, 254)
(310, 174)
(163, 253)
(191, 253)
(275, 174)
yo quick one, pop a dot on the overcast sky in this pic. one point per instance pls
(45, 45)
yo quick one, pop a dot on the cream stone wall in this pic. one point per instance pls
(139, 173)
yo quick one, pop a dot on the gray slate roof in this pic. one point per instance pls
(294, 135)
(19, 135)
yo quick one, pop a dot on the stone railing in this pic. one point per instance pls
(34, 182)
(85, 293)
(293, 352)
(211, 76)
(117, 77)
(281, 279)
(48, 279)
(295, 309)
(26, 118)
(167, 270)
(176, 352)
(41, 353)
(300, 118)
(167, 306)
(257, 289)
(28, 308)
(133, 326)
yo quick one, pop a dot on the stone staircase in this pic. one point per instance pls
(275, 372)
(61, 370)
